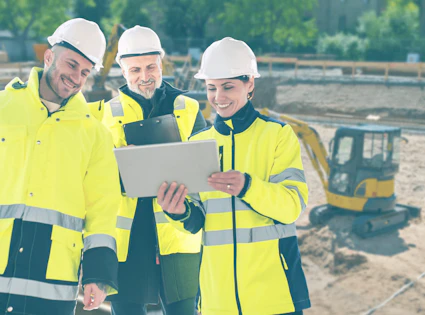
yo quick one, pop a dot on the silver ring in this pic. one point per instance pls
(228, 186)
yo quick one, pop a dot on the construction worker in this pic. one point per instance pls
(59, 189)
(156, 260)
(250, 258)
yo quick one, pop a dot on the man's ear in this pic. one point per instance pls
(48, 57)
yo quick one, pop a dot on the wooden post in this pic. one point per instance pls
(296, 69)
(353, 70)
(324, 68)
(420, 71)
(270, 66)
(387, 69)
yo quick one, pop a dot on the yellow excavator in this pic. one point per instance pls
(357, 175)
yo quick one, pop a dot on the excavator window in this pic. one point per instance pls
(375, 149)
(396, 150)
(344, 150)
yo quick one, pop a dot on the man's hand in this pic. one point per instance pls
(93, 296)
(172, 199)
(230, 182)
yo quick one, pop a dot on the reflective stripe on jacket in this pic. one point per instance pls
(58, 172)
(123, 110)
(250, 257)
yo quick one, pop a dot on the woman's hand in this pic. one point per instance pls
(171, 198)
(230, 182)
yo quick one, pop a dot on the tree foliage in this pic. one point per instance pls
(392, 34)
(273, 22)
(25, 18)
(93, 10)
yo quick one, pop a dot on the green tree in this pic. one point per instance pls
(93, 10)
(25, 18)
(186, 21)
(394, 33)
(270, 22)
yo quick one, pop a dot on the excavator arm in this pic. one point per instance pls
(311, 141)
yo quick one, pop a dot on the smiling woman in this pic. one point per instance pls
(250, 259)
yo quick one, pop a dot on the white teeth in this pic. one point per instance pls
(223, 105)
(68, 83)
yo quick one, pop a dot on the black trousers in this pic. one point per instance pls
(178, 308)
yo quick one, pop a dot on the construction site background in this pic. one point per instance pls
(358, 62)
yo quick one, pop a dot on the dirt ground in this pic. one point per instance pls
(350, 275)
(360, 100)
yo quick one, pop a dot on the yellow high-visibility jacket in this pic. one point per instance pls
(123, 110)
(250, 258)
(59, 195)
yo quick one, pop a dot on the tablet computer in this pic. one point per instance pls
(161, 129)
(144, 168)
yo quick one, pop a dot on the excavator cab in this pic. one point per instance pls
(363, 163)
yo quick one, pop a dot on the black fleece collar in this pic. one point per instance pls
(240, 121)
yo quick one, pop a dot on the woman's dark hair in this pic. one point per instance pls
(245, 78)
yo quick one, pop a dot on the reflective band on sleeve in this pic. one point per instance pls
(252, 235)
(160, 218)
(294, 174)
(116, 107)
(40, 215)
(221, 205)
(299, 195)
(124, 223)
(38, 289)
(179, 103)
(100, 240)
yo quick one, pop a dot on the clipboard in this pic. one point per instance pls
(156, 130)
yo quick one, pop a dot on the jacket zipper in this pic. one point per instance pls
(238, 302)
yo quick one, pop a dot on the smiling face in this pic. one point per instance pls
(228, 96)
(65, 73)
(143, 74)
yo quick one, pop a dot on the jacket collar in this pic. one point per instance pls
(73, 108)
(237, 123)
(160, 104)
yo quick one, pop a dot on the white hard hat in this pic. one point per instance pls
(139, 40)
(228, 58)
(85, 36)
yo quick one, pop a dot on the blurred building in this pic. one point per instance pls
(333, 16)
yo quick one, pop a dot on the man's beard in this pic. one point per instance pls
(148, 94)
(50, 80)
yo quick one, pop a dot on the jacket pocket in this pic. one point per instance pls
(65, 254)
(6, 227)
(283, 261)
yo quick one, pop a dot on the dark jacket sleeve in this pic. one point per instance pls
(191, 221)
(105, 272)
(200, 122)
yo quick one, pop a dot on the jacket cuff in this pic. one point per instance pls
(180, 217)
(246, 186)
(100, 265)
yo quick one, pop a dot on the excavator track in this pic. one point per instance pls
(369, 225)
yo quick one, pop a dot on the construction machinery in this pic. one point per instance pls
(357, 175)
